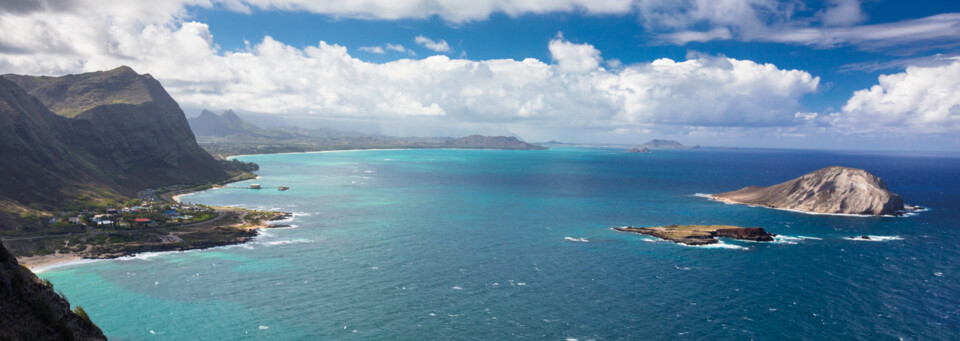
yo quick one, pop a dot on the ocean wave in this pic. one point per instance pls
(576, 240)
(457, 288)
(144, 255)
(782, 239)
(720, 245)
(40, 269)
(285, 242)
(875, 238)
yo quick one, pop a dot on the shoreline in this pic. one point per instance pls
(39, 264)
(905, 214)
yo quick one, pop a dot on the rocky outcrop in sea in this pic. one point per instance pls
(836, 190)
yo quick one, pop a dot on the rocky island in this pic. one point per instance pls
(835, 190)
(701, 234)
(639, 150)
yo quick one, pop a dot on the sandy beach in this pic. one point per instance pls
(39, 263)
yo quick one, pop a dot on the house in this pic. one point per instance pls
(171, 213)
(105, 222)
(143, 221)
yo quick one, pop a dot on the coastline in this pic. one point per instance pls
(905, 214)
(39, 264)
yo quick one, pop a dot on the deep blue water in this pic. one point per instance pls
(482, 244)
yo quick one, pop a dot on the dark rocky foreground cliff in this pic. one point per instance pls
(829, 190)
(100, 135)
(31, 310)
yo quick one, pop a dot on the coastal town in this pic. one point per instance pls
(155, 221)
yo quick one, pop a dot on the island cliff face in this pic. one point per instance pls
(31, 310)
(838, 190)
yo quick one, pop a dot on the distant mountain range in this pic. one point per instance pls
(100, 135)
(667, 144)
(227, 134)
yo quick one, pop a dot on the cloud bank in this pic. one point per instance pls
(702, 95)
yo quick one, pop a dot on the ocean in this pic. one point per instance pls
(499, 245)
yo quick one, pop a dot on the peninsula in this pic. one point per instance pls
(835, 190)
(701, 234)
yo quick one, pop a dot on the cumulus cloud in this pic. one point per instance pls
(918, 100)
(572, 57)
(325, 80)
(435, 45)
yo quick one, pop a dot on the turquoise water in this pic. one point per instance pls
(478, 244)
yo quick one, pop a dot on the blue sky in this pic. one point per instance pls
(727, 72)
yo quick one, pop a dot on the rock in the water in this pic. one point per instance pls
(638, 150)
(829, 190)
(701, 234)
(746, 233)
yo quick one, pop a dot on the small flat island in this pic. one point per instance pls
(701, 234)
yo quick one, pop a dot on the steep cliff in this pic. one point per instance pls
(828, 190)
(39, 165)
(125, 126)
(31, 310)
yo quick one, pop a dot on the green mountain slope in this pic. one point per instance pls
(31, 310)
(110, 135)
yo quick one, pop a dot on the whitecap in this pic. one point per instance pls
(262, 327)
(143, 255)
(720, 245)
(285, 242)
(782, 239)
(521, 284)
(457, 288)
(875, 238)
(938, 274)
(40, 269)
(576, 240)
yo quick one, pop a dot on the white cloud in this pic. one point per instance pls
(435, 45)
(919, 100)
(842, 13)
(396, 47)
(681, 22)
(372, 49)
(325, 80)
(678, 22)
(570, 57)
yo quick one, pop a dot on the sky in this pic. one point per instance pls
(833, 74)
